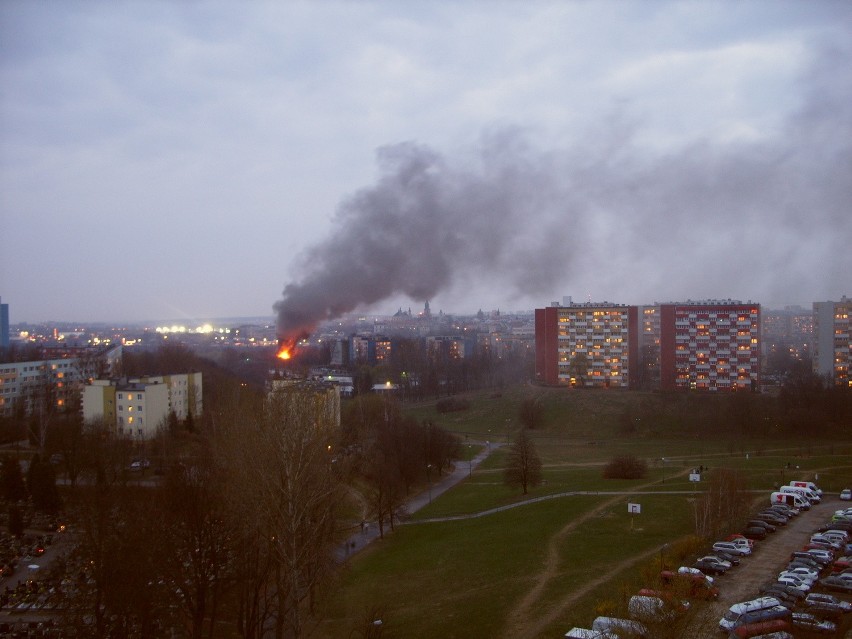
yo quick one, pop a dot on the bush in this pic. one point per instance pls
(451, 404)
(625, 467)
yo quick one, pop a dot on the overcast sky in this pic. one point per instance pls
(190, 160)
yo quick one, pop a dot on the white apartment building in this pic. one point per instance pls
(831, 343)
(138, 407)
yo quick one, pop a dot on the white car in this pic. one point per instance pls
(732, 548)
(846, 494)
(804, 574)
(793, 580)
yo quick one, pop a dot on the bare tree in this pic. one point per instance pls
(524, 465)
(286, 496)
(723, 504)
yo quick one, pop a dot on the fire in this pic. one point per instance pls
(287, 346)
(284, 351)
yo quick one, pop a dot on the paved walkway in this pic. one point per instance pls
(362, 538)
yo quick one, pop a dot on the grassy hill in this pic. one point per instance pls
(543, 566)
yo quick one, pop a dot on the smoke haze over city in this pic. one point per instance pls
(182, 161)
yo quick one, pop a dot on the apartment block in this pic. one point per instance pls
(710, 345)
(587, 345)
(831, 343)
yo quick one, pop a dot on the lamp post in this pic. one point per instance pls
(469, 461)
(662, 550)
(429, 477)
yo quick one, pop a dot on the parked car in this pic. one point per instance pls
(846, 494)
(793, 580)
(772, 516)
(740, 540)
(819, 538)
(755, 532)
(808, 574)
(711, 565)
(845, 526)
(734, 560)
(811, 623)
(774, 588)
(808, 562)
(732, 548)
(689, 570)
(770, 528)
(825, 599)
(835, 583)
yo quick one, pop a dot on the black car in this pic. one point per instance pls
(786, 600)
(799, 554)
(832, 582)
(726, 556)
(772, 518)
(789, 591)
(710, 567)
(754, 532)
(809, 622)
(759, 523)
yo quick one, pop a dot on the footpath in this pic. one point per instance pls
(368, 532)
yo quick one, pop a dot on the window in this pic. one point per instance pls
(139, 408)
(120, 396)
(139, 396)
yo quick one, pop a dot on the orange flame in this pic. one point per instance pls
(285, 349)
(287, 345)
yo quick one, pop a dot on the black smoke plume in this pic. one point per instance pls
(764, 215)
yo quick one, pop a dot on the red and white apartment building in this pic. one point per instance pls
(707, 345)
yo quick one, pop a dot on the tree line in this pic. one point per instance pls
(236, 526)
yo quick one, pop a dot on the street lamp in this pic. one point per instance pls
(662, 550)
(469, 461)
(429, 477)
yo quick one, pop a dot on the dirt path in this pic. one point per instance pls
(519, 625)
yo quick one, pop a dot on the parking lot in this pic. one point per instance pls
(772, 555)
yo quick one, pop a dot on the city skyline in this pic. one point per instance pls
(190, 162)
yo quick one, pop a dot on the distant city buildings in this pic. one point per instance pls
(831, 342)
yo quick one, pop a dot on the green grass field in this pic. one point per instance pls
(580, 553)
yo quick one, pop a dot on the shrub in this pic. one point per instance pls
(625, 467)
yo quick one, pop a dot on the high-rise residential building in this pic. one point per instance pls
(4, 325)
(710, 345)
(831, 342)
(589, 345)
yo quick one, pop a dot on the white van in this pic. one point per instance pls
(803, 492)
(800, 496)
(620, 627)
(735, 615)
(807, 484)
